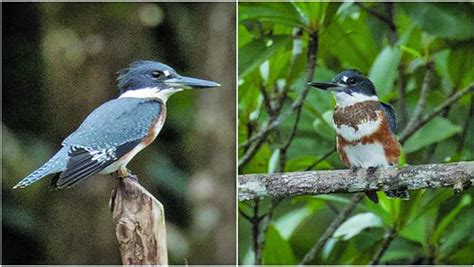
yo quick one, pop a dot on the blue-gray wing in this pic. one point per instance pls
(108, 133)
(115, 123)
(390, 114)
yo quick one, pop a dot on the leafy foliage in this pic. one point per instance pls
(434, 226)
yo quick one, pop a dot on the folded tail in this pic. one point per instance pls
(56, 164)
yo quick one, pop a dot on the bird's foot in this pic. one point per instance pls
(123, 172)
(371, 170)
(401, 193)
(372, 194)
(354, 170)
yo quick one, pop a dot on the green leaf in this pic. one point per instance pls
(315, 14)
(441, 63)
(253, 54)
(459, 234)
(432, 200)
(409, 208)
(435, 131)
(245, 207)
(299, 163)
(288, 223)
(277, 250)
(391, 206)
(460, 62)
(446, 20)
(410, 51)
(259, 162)
(271, 12)
(302, 162)
(255, 114)
(403, 253)
(249, 257)
(322, 128)
(349, 39)
(332, 198)
(463, 256)
(416, 230)
(274, 160)
(447, 220)
(384, 71)
(356, 224)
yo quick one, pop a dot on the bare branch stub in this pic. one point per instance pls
(342, 181)
(139, 223)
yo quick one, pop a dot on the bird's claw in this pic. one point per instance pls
(123, 173)
(371, 170)
(354, 170)
(401, 193)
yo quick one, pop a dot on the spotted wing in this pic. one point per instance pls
(85, 162)
(108, 133)
(390, 115)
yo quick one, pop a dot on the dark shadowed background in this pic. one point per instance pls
(59, 63)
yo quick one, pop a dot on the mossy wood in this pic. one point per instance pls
(139, 224)
(458, 175)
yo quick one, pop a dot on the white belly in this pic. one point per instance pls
(365, 156)
(363, 129)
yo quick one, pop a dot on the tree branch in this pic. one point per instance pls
(343, 181)
(261, 232)
(311, 58)
(257, 139)
(392, 35)
(139, 223)
(425, 89)
(465, 131)
(329, 153)
(402, 108)
(266, 100)
(376, 14)
(341, 217)
(388, 238)
(410, 131)
(252, 150)
(257, 243)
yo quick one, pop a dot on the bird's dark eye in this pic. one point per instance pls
(351, 81)
(156, 74)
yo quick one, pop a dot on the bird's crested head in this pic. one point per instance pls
(349, 87)
(151, 79)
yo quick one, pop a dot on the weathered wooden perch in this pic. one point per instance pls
(458, 175)
(139, 224)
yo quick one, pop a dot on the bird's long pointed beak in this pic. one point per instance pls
(190, 83)
(324, 86)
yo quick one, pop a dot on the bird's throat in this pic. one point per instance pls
(344, 100)
(151, 93)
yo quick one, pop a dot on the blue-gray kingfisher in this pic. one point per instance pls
(365, 127)
(120, 128)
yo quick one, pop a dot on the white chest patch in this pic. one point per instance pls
(152, 92)
(365, 156)
(345, 100)
(364, 129)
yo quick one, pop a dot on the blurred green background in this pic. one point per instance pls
(59, 63)
(392, 43)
